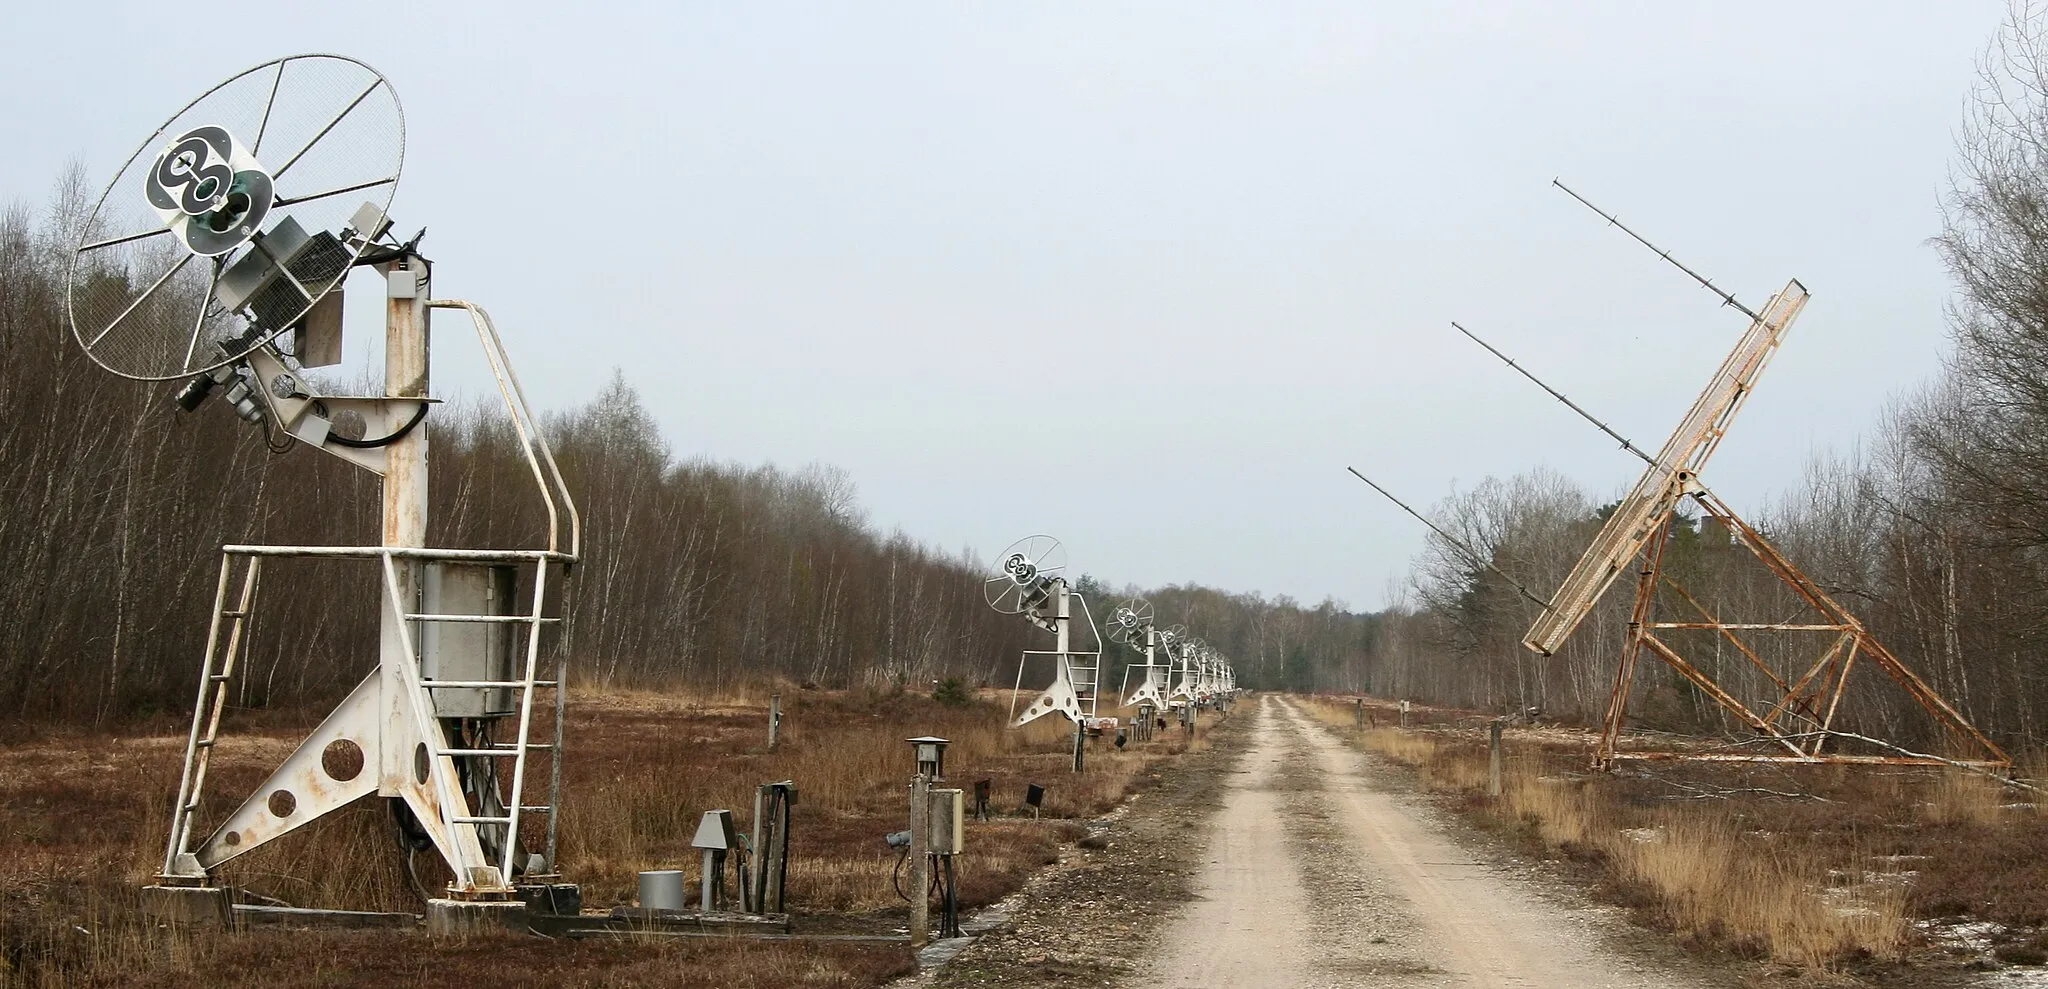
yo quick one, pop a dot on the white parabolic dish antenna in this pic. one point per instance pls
(1130, 619)
(215, 236)
(1023, 574)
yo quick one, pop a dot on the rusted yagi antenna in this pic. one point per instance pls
(1469, 553)
(1798, 716)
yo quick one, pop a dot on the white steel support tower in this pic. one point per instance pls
(237, 291)
(1028, 581)
(1132, 624)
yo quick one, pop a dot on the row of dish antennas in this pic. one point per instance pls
(1179, 669)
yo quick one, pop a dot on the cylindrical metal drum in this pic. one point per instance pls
(662, 889)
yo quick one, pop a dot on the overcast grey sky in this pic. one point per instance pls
(1143, 276)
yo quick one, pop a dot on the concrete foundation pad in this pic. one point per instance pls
(463, 918)
(190, 906)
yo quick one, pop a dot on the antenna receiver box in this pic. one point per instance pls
(948, 833)
(468, 650)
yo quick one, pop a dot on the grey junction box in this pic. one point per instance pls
(458, 650)
(715, 833)
(948, 817)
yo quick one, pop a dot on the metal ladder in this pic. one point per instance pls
(217, 670)
(1082, 672)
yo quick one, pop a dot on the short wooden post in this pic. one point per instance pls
(774, 720)
(1358, 715)
(1493, 757)
(920, 860)
(1404, 712)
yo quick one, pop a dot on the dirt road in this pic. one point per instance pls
(1319, 874)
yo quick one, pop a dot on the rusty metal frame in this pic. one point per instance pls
(1801, 721)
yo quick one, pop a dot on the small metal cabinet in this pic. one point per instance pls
(455, 650)
(948, 822)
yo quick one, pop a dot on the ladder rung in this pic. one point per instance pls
(481, 820)
(234, 614)
(501, 750)
(536, 809)
(204, 743)
(509, 684)
(219, 677)
(486, 619)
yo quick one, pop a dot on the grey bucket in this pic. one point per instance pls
(661, 890)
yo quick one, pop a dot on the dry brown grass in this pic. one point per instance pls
(1700, 868)
(82, 819)
(1961, 797)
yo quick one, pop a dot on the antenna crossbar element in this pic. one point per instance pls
(1650, 503)
(1726, 299)
(1554, 393)
(1463, 548)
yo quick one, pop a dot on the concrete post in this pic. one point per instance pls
(920, 860)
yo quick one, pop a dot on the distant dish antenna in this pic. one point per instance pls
(1202, 676)
(1131, 624)
(1028, 579)
(217, 255)
(235, 220)
(1187, 668)
(1128, 622)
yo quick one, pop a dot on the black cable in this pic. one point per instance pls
(412, 872)
(382, 440)
(412, 838)
(896, 876)
(268, 442)
(949, 917)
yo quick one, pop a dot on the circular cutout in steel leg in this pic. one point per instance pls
(342, 760)
(282, 803)
(419, 764)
